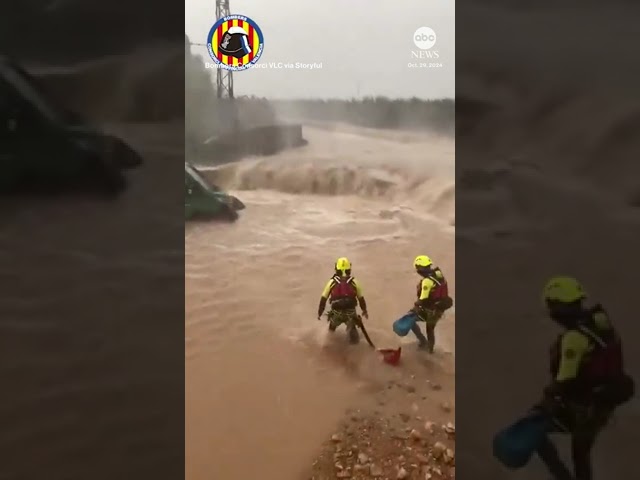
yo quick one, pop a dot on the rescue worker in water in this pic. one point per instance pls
(588, 377)
(344, 293)
(433, 300)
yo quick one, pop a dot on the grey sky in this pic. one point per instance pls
(364, 46)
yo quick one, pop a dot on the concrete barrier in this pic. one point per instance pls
(262, 140)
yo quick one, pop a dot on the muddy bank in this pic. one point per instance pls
(367, 446)
(404, 430)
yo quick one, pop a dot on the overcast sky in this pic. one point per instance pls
(364, 46)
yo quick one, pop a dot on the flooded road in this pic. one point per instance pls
(264, 382)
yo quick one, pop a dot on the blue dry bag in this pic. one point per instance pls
(403, 325)
(514, 445)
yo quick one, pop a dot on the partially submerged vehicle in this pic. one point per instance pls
(46, 147)
(203, 200)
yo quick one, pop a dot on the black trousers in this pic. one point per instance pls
(583, 438)
(430, 339)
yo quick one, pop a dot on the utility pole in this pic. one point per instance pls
(224, 78)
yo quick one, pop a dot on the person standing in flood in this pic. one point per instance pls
(433, 300)
(344, 293)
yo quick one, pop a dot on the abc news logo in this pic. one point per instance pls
(425, 38)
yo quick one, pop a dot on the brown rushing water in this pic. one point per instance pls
(264, 384)
(91, 330)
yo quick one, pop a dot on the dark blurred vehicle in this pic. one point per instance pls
(45, 147)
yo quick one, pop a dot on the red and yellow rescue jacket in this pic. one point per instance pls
(343, 293)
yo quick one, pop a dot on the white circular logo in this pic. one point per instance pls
(424, 38)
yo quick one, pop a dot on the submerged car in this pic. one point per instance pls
(45, 147)
(205, 200)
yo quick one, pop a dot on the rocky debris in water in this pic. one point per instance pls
(443, 454)
(402, 473)
(375, 470)
(428, 426)
(448, 456)
(336, 438)
(445, 407)
(449, 428)
(360, 468)
(438, 449)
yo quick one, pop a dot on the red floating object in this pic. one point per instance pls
(390, 355)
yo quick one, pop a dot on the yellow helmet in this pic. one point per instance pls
(343, 265)
(563, 290)
(422, 261)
